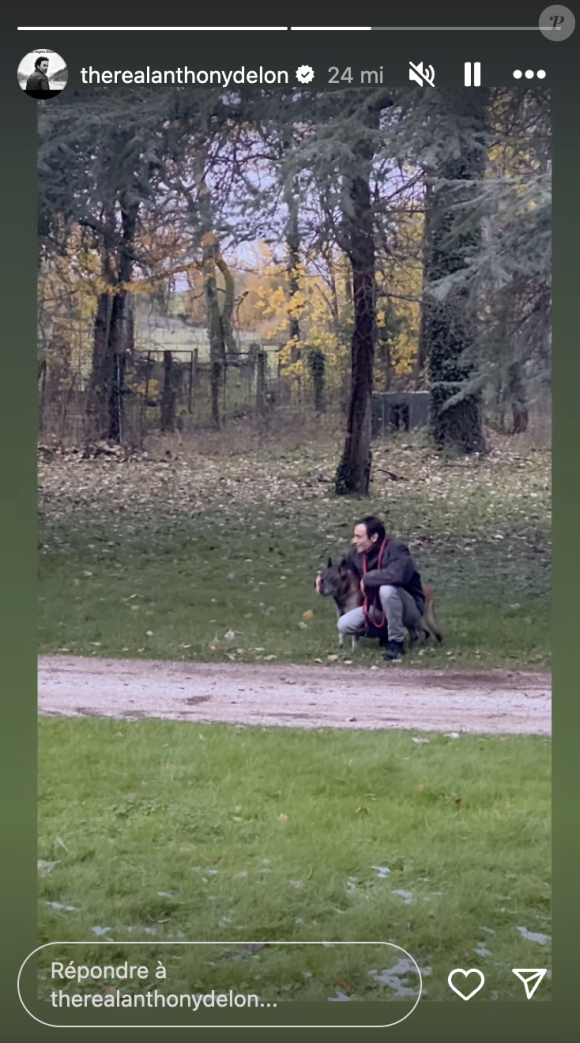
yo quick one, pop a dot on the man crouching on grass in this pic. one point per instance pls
(390, 584)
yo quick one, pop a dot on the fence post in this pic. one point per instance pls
(190, 389)
(261, 360)
(168, 395)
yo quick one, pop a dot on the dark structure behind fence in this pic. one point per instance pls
(399, 411)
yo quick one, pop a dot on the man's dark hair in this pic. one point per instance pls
(43, 58)
(373, 525)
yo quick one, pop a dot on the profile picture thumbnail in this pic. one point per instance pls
(42, 73)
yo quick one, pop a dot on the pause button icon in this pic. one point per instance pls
(472, 76)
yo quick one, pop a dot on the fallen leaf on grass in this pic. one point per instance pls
(240, 876)
(332, 658)
(282, 818)
(46, 867)
(309, 614)
(169, 766)
(407, 896)
(421, 742)
(533, 937)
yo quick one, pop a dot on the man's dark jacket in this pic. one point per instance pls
(397, 569)
(37, 82)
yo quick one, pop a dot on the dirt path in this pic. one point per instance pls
(492, 702)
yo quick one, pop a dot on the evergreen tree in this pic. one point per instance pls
(99, 156)
(452, 240)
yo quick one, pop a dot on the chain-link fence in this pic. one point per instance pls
(180, 390)
(177, 391)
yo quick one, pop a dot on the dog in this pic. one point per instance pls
(341, 582)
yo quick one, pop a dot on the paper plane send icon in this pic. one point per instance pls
(531, 978)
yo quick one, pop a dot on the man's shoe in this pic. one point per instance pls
(394, 650)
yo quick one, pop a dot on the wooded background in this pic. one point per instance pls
(273, 257)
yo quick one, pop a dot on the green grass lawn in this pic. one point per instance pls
(174, 831)
(161, 558)
(171, 831)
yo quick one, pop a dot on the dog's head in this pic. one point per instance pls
(334, 580)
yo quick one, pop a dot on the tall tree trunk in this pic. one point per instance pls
(517, 399)
(113, 329)
(420, 367)
(227, 310)
(117, 354)
(449, 322)
(216, 344)
(317, 365)
(210, 252)
(293, 248)
(121, 325)
(292, 252)
(100, 378)
(354, 469)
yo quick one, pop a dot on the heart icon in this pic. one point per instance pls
(473, 970)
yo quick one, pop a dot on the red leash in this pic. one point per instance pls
(366, 607)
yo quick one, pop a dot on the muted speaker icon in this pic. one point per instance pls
(472, 74)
